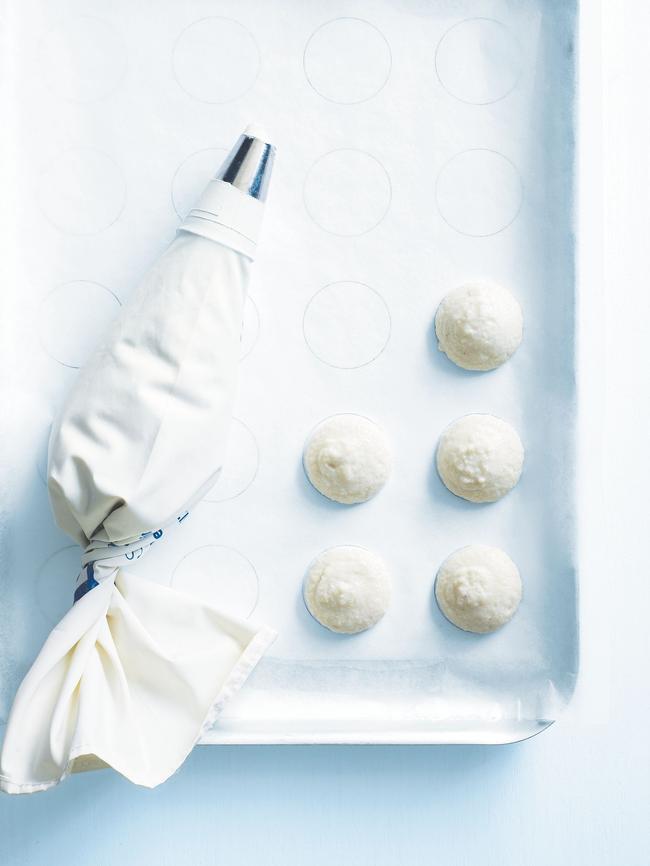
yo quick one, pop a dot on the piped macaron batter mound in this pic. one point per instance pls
(347, 589)
(478, 588)
(480, 458)
(348, 459)
(479, 325)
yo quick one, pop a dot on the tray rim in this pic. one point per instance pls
(233, 734)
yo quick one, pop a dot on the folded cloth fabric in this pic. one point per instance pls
(135, 670)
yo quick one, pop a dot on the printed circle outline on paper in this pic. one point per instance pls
(236, 54)
(350, 324)
(192, 176)
(479, 170)
(99, 59)
(82, 191)
(360, 184)
(71, 317)
(357, 62)
(55, 581)
(243, 454)
(458, 41)
(234, 570)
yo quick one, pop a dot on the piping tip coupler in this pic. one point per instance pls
(231, 207)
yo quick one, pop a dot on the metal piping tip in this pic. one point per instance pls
(249, 164)
(232, 205)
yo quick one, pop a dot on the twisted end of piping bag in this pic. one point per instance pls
(231, 207)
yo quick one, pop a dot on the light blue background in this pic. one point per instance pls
(576, 794)
(566, 797)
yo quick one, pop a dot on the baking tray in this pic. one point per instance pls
(419, 145)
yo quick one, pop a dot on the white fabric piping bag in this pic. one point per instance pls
(135, 670)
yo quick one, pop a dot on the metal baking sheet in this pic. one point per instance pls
(419, 145)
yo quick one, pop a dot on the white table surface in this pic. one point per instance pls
(578, 793)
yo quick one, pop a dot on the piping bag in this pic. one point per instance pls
(135, 671)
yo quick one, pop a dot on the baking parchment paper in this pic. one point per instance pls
(419, 145)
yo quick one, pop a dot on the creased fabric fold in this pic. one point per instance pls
(134, 688)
